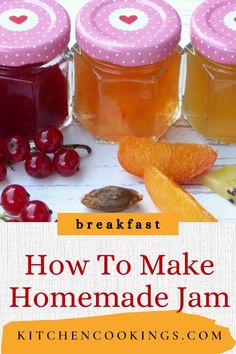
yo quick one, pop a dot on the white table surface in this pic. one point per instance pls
(102, 168)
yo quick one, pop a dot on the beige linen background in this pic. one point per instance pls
(216, 242)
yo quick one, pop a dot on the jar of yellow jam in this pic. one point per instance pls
(127, 63)
(210, 92)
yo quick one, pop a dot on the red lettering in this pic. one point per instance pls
(41, 264)
(25, 297)
(105, 258)
(207, 264)
(78, 266)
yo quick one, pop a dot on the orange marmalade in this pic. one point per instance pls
(112, 101)
(127, 64)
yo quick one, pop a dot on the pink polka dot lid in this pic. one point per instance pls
(214, 30)
(128, 32)
(32, 31)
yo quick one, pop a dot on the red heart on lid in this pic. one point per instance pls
(128, 19)
(19, 19)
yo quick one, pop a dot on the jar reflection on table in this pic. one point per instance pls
(134, 94)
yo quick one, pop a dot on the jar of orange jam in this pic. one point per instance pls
(210, 92)
(127, 63)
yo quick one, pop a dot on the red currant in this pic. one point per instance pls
(14, 198)
(48, 140)
(36, 211)
(3, 171)
(17, 149)
(2, 149)
(66, 162)
(39, 165)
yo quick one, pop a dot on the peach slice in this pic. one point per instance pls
(171, 198)
(181, 162)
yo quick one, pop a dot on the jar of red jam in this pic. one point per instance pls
(210, 93)
(127, 63)
(34, 66)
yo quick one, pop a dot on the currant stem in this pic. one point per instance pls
(2, 217)
(80, 146)
(72, 146)
(9, 164)
(5, 217)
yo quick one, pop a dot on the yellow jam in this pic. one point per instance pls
(112, 101)
(210, 97)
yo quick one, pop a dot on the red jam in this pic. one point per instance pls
(33, 97)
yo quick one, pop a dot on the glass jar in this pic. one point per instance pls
(34, 67)
(127, 63)
(209, 100)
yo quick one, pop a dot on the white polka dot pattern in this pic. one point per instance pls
(213, 30)
(32, 31)
(128, 32)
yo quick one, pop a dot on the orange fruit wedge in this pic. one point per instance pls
(171, 198)
(181, 162)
